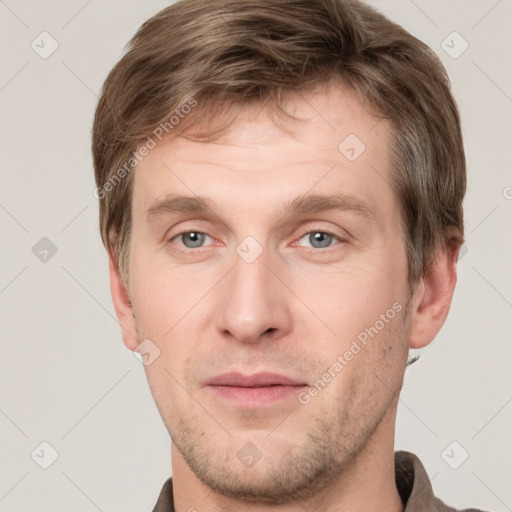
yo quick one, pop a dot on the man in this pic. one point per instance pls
(281, 188)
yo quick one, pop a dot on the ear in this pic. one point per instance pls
(432, 298)
(122, 306)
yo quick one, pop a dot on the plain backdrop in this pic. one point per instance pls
(66, 378)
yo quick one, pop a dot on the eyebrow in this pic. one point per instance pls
(307, 204)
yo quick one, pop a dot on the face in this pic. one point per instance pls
(286, 266)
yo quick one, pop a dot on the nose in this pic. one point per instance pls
(253, 302)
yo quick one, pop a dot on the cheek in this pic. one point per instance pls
(165, 297)
(171, 305)
(365, 307)
(352, 298)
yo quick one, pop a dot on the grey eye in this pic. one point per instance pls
(192, 239)
(319, 239)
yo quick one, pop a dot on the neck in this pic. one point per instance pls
(368, 483)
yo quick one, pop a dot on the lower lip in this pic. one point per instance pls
(256, 397)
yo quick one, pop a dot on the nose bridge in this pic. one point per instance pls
(251, 302)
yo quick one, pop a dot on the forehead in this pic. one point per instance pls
(335, 145)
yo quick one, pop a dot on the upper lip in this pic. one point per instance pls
(256, 380)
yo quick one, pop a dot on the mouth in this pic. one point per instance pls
(254, 391)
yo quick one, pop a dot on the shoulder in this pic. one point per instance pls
(414, 486)
(165, 502)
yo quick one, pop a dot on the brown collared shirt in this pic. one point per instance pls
(412, 483)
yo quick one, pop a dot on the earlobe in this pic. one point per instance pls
(122, 306)
(432, 298)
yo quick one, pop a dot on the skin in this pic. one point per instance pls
(292, 311)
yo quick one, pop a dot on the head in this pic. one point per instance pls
(280, 186)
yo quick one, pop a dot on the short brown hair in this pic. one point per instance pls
(225, 54)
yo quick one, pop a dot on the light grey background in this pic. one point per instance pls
(66, 377)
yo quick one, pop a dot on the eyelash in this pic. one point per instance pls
(328, 233)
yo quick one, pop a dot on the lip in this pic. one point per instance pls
(254, 391)
(257, 380)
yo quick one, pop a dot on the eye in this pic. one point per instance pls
(320, 239)
(191, 239)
